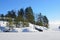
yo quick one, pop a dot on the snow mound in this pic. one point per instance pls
(31, 28)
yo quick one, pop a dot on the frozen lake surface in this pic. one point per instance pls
(53, 35)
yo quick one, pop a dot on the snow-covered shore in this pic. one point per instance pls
(48, 34)
(30, 36)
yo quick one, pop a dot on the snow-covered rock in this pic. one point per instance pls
(31, 28)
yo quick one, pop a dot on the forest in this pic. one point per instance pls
(25, 16)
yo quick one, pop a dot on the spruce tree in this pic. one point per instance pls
(13, 13)
(8, 14)
(40, 20)
(29, 14)
(20, 17)
(2, 17)
(45, 21)
(20, 14)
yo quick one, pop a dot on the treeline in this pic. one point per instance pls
(26, 16)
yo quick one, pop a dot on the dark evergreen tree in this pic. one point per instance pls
(45, 21)
(20, 15)
(8, 14)
(29, 14)
(13, 13)
(40, 20)
(2, 15)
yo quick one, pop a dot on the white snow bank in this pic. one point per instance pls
(3, 23)
(31, 28)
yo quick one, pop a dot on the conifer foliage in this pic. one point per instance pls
(26, 16)
(29, 14)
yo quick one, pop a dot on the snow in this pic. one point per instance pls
(53, 33)
(31, 28)
(30, 36)
(54, 27)
(3, 23)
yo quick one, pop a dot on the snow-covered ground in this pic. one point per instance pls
(54, 27)
(31, 28)
(30, 36)
(52, 33)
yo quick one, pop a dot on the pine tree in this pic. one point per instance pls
(20, 14)
(45, 21)
(13, 13)
(29, 14)
(2, 17)
(8, 14)
(40, 20)
(10, 23)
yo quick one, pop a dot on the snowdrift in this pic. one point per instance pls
(31, 28)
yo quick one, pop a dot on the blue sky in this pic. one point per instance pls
(50, 8)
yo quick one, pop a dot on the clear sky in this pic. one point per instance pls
(50, 8)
